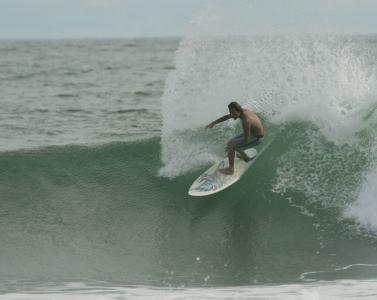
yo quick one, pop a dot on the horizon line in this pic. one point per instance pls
(181, 37)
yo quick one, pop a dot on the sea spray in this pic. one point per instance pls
(316, 91)
(285, 78)
(364, 208)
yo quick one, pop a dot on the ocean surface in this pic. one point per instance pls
(101, 139)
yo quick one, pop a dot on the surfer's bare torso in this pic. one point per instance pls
(251, 124)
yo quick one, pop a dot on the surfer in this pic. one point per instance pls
(252, 135)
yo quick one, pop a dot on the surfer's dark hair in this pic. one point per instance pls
(236, 106)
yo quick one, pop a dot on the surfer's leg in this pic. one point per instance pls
(231, 154)
(253, 141)
(242, 155)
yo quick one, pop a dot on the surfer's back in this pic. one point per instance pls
(252, 120)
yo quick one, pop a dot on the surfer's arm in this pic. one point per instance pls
(219, 120)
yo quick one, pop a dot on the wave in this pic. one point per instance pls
(66, 95)
(143, 93)
(107, 214)
(131, 110)
(351, 289)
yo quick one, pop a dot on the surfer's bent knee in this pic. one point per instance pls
(231, 147)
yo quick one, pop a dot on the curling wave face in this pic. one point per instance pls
(103, 213)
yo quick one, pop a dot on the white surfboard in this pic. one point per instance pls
(213, 181)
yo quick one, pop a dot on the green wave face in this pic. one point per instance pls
(104, 213)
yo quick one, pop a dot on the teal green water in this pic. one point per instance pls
(103, 213)
(101, 140)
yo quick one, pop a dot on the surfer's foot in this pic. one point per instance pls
(244, 157)
(227, 171)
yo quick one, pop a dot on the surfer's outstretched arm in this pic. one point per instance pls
(219, 120)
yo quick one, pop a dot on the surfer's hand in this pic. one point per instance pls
(210, 125)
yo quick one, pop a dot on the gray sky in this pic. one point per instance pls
(141, 18)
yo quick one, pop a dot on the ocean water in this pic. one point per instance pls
(101, 139)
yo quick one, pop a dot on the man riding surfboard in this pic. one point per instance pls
(252, 135)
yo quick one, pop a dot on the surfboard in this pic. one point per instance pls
(213, 181)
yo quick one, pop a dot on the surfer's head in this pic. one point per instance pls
(235, 110)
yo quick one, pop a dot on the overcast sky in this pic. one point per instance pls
(145, 18)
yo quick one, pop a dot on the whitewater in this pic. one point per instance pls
(101, 139)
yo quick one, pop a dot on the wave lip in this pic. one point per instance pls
(328, 81)
(316, 93)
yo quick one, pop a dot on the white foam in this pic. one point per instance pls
(364, 209)
(313, 78)
(338, 289)
(325, 81)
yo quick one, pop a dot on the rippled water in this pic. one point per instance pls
(81, 91)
